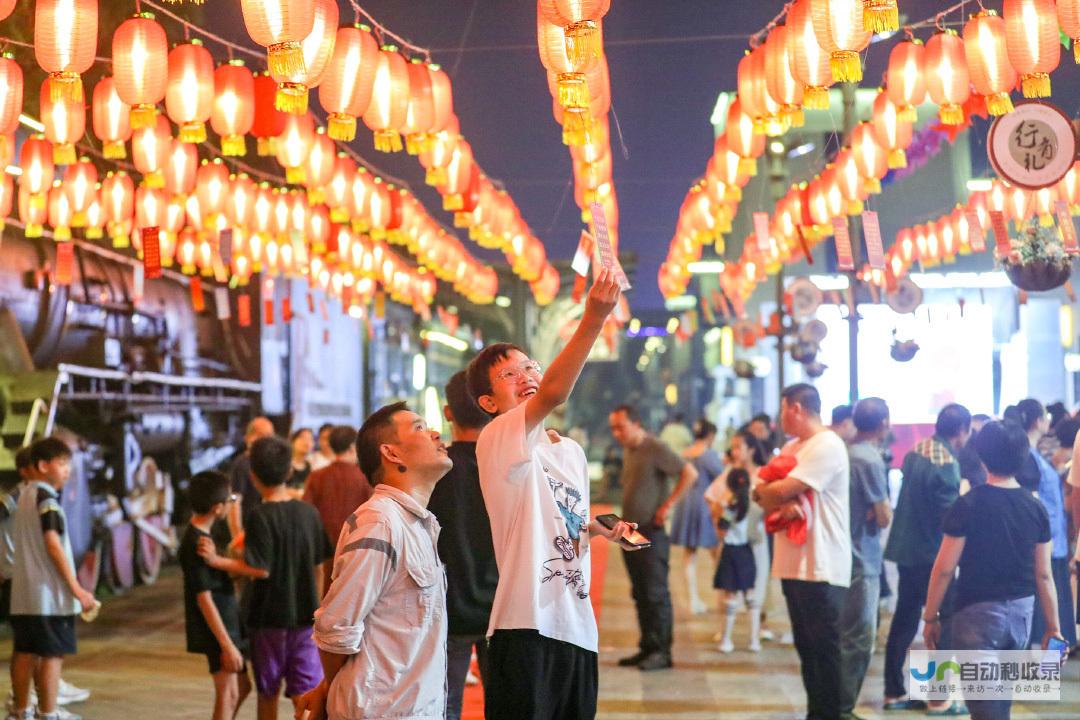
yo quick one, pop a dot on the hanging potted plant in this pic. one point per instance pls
(1037, 260)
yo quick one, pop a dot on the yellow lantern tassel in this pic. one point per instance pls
(66, 87)
(62, 232)
(1046, 220)
(37, 201)
(1076, 50)
(187, 269)
(121, 241)
(378, 233)
(582, 42)
(142, 116)
(793, 116)
(951, 114)
(64, 154)
(94, 233)
(339, 215)
(436, 175)
(733, 193)
(586, 215)
(291, 98)
(908, 113)
(340, 126)
(193, 132)
(286, 59)
(897, 158)
(316, 196)
(266, 146)
(880, 16)
(816, 98)
(747, 166)
(79, 219)
(453, 201)
(573, 91)
(154, 180)
(114, 150)
(294, 175)
(462, 219)
(387, 141)
(775, 126)
(759, 126)
(999, 104)
(233, 146)
(1036, 85)
(872, 186)
(846, 66)
(854, 207)
(416, 143)
(360, 225)
(719, 246)
(34, 230)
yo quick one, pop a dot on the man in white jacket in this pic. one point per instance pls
(381, 629)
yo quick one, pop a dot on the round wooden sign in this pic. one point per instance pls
(1032, 147)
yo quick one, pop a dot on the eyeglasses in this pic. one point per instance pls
(530, 369)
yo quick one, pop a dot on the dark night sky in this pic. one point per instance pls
(669, 59)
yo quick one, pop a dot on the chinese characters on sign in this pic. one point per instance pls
(1033, 144)
(986, 674)
(1032, 147)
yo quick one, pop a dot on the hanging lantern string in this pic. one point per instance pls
(205, 33)
(757, 37)
(385, 31)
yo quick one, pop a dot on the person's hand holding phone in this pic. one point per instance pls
(620, 531)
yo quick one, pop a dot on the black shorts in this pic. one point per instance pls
(213, 661)
(537, 678)
(44, 635)
(5, 599)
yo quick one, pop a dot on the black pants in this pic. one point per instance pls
(1066, 605)
(815, 609)
(648, 571)
(533, 677)
(910, 598)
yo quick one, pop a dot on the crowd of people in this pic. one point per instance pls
(366, 574)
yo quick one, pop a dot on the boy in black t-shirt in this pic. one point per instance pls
(999, 536)
(284, 538)
(211, 614)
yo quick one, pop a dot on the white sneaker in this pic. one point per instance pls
(787, 639)
(60, 714)
(27, 714)
(727, 647)
(766, 634)
(67, 693)
(698, 607)
(754, 647)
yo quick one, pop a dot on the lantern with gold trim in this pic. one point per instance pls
(389, 107)
(140, 66)
(150, 148)
(580, 22)
(839, 27)
(65, 122)
(280, 26)
(80, 186)
(65, 42)
(111, 119)
(892, 131)
(345, 91)
(316, 49)
(189, 93)
(947, 80)
(809, 61)
(233, 112)
(1033, 43)
(992, 74)
(905, 77)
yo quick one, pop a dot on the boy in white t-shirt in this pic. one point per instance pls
(816, 574)
(543, 637)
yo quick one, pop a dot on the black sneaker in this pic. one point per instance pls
(655, 661)
(632, 660)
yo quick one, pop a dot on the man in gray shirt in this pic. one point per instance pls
(647, 465)
(870, 513)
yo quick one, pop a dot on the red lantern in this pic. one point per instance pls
(780, 83)
(294, 144)
(1068, 13)
(180, 169)
(11, 94)
(118, 205)
(140, 66)
(150, 151)
(189, 94)
(869, 156)
(269, 122)
(809, 61)
(338, 190)
(892, 131)
(111, 116)
(80, 186)
(240, 207)
(6, 6)
(881, 16)
(389, 107)
(316, 48)
(65, 41)
(345, 91)
(65, 122)
(280, 26)
(7, 197)
(233, 112)
(580, 22)
(442, 98)
(211, 187)
(319, 164)
(947, 78)
(905, 78)
(33, 211)
(150, 207)
(988, 61)
(420, 117)
(1033, 42)
(60, 213)
(839, 27)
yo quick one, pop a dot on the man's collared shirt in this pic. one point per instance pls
(386, 610)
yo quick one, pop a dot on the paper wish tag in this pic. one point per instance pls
(608, 259)
(875, 250)
(583, 254)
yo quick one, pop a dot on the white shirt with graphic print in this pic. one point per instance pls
(537, 496)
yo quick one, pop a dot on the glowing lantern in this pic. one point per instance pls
(780, 83)
(318, 228)
(11, 99)
(988, 61)
(319, 164)
(892, 131)
(65, 42)
(34, 212)
(389, 107)
(111, 117)
(7, 197)
(1068, 14)
(65, 122)
(150, 148)
(905, 78)
(211, 187)
(338, 189)
(850, 182)
(1019, 204)
(280, 26)
(6, 6)
(150, 207)
(881, 16)
(293, 146)
(316, 49)
(442, 96)
(947, 78)
(869, 156)
(1033, 43)
(569, 68)
(240, 207)
(579, 20)
(60, 213)
(80, 181)
(189, 94)
(809, 61)
(754, 96)
(140, 66)
(186, 252)
(118, 206)
(269, 122)
(838, 25)
(345, 91)
(180, 169)
(1043, 200)
(233, 110)
(420, 117)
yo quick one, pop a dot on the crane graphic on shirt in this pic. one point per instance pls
(571, 508)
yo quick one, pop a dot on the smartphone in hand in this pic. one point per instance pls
(635, 541)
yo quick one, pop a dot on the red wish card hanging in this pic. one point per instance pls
(761, 230)
(243, 310)
(976, 237)
(310, 304)
(286, 309)
(845, 260)
(268, 311)
(198, 302)
(1068, 229)
(323, 310)
(875, 250)
(1001, 232)
(65, 262)
(151, 247)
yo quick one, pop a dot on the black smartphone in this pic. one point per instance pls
(636, 541)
